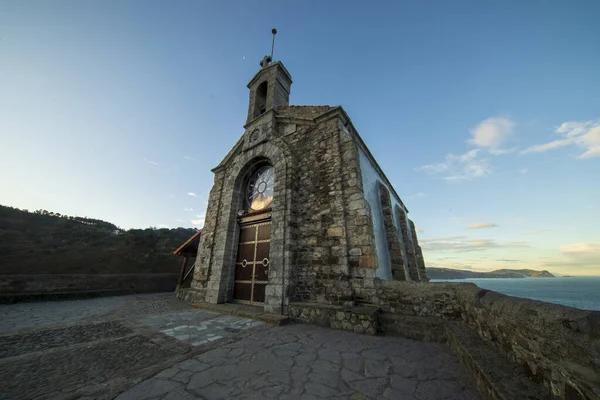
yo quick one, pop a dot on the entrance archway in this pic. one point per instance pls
(251, 275)
(252, 263)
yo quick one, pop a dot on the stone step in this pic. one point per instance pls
(496, 377)
(245, 311)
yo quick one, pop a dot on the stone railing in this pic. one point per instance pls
(556, 346)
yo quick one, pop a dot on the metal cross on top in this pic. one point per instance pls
(265, 61)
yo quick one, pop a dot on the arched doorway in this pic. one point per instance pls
(252, 262)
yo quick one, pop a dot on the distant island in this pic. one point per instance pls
(448, 273)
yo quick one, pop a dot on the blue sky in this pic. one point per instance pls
(484, 115)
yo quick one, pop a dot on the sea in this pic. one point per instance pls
(580, 292)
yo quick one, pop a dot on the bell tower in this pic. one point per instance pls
(269, 88)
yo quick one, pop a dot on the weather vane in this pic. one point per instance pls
(267, 59)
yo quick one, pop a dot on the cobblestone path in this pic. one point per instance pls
(156, 347)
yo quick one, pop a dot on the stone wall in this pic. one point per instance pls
(409, 248)
(358, 319)
(555, 346)
(419, 253)
(47, 286)
(321, 269)
(394, 244)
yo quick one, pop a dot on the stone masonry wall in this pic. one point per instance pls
(557, 346)
(411, 257)
(358, 320)
(362, 256)
(321, 269)
(335, 241)
(418, 252)
(393, 238)
(207, 240)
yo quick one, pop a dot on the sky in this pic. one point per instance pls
(485, 116)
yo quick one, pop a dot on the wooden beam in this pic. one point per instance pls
(182, 271)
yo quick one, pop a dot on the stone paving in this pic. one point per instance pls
(156, 347)
(198, 327)
(307, 362)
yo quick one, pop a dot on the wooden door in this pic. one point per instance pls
(252, 263)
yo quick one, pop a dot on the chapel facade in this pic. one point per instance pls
(300, 210)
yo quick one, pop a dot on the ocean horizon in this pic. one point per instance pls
(581, 292)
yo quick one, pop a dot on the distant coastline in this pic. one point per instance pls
(448, 273)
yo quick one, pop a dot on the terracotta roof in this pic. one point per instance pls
(310, 112)
(190, 246)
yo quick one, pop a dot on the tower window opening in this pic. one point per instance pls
(261, 99)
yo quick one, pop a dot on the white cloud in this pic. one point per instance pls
(188, 209)
(538, 231)
(585, 134)
(587, 248)
(198, 222)
(573, 128)
(460, 167)
(150, 161)
(163, 226)
(584, 257)
(491, 134)
(188, 158)
(482, 225)
(415, 196)
(192, 194)
(463, 243)
(591, 141)
(555, 144)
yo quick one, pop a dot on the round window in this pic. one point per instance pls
(260, 189)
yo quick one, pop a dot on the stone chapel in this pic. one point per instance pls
(300, 210)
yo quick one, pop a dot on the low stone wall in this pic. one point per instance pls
(418, 299)
(356, 319)
(556, 346)
(51, 286)
(427, 329)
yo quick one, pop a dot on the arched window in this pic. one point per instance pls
(260, 99)
(259, 190)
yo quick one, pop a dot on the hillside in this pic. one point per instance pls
(448, 273)
(527, 273)
(42, 242)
